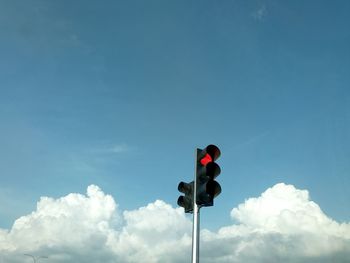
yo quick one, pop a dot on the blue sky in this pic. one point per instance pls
(120, 93)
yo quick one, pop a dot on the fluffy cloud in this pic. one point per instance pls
(65, 226)
(283, 224)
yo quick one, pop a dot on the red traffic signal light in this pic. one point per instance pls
(206, 159)
(206, 171)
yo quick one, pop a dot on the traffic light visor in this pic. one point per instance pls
(213, 151)
(213, 188)
(185, 187)
(207, 155)
(212, 170)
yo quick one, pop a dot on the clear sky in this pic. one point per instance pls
(120, 93)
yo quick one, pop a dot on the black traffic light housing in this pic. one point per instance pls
(186, 201)
(206, 171)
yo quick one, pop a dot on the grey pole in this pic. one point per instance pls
(195, 235)
(195, 229)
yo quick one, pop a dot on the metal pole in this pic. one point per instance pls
(195, 234)
(195, 229)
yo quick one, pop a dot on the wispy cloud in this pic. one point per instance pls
(113, 149)
(121, 148)
(260, 13)
(252, 140)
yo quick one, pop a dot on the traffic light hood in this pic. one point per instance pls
(212, 150)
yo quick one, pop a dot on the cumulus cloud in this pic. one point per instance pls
(281, 225)
(59, 227)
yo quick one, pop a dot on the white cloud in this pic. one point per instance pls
(113, 149)
(155, 233)
(120, 148)
(282, 225)
(260, 13)
(74, 220)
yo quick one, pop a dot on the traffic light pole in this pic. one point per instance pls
(195, 229)
(195, 234)
(200, 192)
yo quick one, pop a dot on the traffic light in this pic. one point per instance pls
(206, 171)
(186, 201)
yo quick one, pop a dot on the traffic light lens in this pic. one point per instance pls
(206, 159)
(181, 201)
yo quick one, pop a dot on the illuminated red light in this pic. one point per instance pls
(206, 159)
